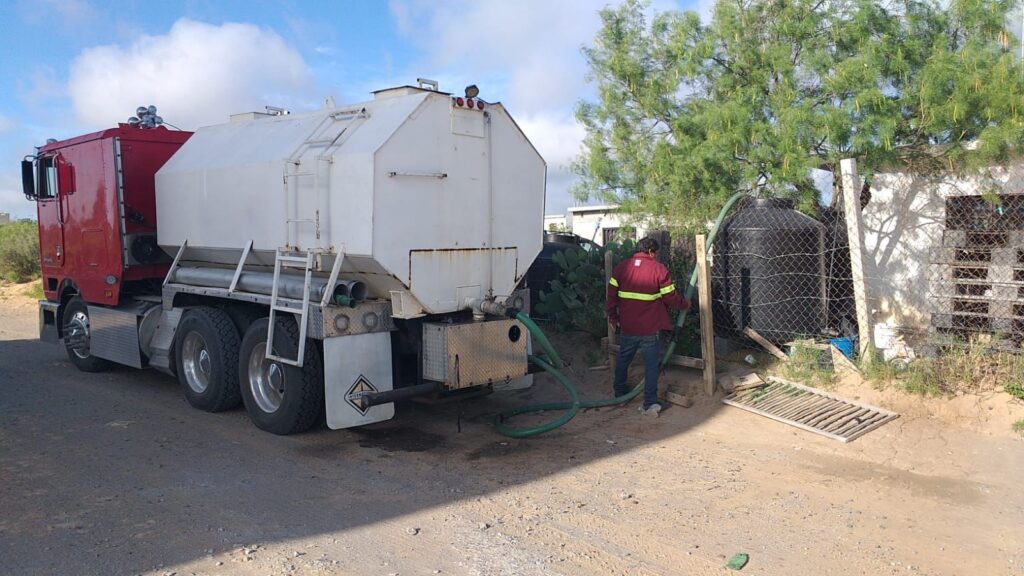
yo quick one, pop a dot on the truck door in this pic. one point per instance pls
(51, 212)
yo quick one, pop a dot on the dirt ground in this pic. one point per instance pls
(114, 474)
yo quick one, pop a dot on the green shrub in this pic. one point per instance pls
(19, 251)
(576, 299)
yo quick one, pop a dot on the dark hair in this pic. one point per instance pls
(647, 244)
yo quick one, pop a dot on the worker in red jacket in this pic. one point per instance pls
(640, 292)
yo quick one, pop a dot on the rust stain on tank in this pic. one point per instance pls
(457, 254)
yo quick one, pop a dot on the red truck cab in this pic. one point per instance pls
(97, 211)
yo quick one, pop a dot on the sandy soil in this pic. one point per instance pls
(114, 474)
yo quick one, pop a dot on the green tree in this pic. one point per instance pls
(688, 113)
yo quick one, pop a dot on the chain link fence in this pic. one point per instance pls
(943, 266)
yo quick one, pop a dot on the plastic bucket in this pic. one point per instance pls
(845, 345)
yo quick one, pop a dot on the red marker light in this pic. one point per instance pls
(459, 101)
(469, 102)
(480, 104)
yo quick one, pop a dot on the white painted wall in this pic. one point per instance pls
(904, 225)
(590, 222)
(559, 221)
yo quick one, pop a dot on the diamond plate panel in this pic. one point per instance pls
(471, 354)
(114, 335)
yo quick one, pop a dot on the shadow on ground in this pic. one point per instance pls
(111, 472)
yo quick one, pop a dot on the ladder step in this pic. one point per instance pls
(282, 308)
(298, 259)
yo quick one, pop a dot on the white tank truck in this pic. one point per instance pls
(329, 263)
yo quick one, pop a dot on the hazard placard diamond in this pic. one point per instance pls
(359, 387)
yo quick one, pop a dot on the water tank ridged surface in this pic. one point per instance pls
(767, 272)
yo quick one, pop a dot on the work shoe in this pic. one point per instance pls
(653, 410)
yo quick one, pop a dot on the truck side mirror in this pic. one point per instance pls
(28, 183)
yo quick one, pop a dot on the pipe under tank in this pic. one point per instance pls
(289, 285)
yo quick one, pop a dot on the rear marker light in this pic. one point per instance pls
(469, 102)
(480, 104)
(459, 101)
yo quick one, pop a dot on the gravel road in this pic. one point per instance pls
(114, 474)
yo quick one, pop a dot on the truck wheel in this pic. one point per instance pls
(206, 346)
(77, 336)
(280, 398)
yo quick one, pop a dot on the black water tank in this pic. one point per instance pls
(768, 272)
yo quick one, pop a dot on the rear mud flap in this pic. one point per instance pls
(353, 365)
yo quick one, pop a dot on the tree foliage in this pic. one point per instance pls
(688, 112)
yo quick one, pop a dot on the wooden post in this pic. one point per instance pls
(612, 340)
(707, 328)
(855, 236)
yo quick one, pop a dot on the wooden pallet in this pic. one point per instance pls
(811, 409)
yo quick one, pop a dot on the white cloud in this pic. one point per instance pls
(534, 45)
(557, 137)
(11, 199)
(197, 74)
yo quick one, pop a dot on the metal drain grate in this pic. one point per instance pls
(811, 409)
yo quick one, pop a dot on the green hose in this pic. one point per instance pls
(552, 363)
(692, 286)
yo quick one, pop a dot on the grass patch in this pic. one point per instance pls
(1018, 427)
(35, 291)
(808, 365)
(969, 368)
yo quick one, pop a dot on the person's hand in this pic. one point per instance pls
(615, 323)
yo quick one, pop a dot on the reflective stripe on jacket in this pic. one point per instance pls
(640, 292)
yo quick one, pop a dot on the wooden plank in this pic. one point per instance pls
(771, 348)
(678, 399)
(840, 361)
(707, 327)
(612, 339)
(855, 237)
(675, 359)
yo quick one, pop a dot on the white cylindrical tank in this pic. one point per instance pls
(432, 203)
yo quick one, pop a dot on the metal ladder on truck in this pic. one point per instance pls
(282, 260)
(276, 305)
(319, 138)
(324, 138)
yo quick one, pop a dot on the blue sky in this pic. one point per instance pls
(74, 66)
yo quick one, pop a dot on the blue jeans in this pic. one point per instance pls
(651, 350)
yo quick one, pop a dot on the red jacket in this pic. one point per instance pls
(640, 293)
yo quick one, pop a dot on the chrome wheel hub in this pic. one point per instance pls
(77, 334)
(266, 380)
(195, 362)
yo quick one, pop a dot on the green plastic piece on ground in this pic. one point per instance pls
(738, 561)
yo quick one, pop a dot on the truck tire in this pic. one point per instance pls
(206, 356)
(77, 335)
(280, 398)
